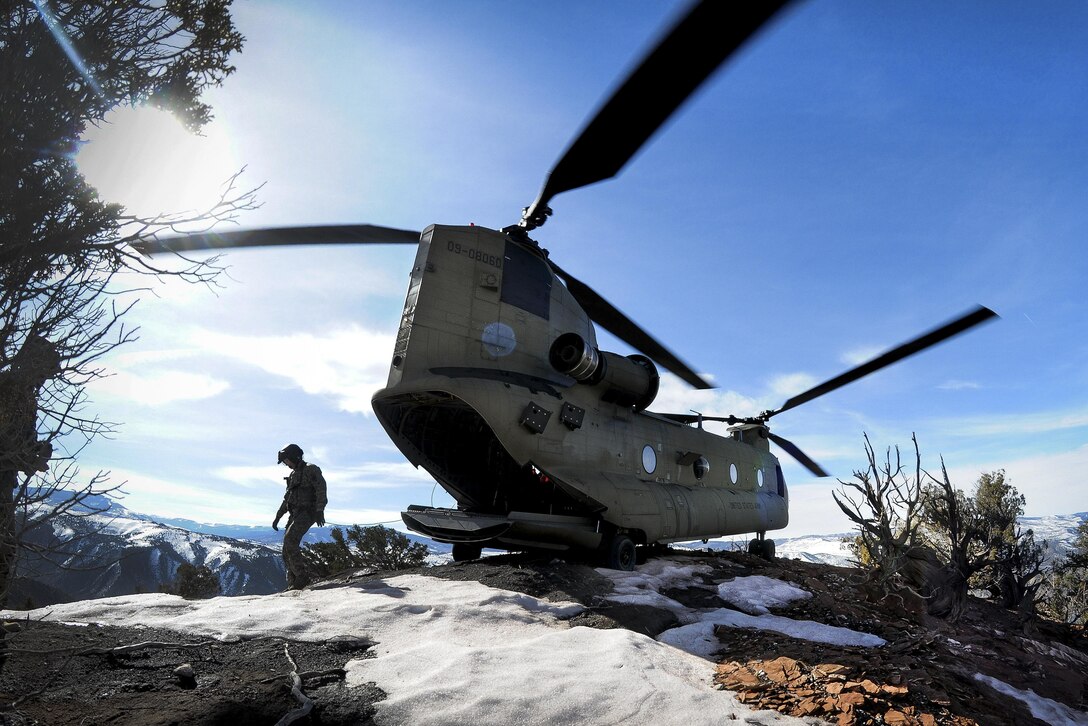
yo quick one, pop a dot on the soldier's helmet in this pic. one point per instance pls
(291, 451)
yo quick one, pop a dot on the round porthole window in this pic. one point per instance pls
(701, 467)
(649, 459)
(759, 477)
(733, 473)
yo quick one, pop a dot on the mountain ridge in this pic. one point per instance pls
(122, 552)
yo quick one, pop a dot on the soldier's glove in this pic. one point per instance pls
(320, 519)
(276, 524)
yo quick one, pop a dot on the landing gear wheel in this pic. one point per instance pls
(621, 553)
(762, 548)
(464, 551)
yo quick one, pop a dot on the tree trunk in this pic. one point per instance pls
(8, 482)
(943, 586)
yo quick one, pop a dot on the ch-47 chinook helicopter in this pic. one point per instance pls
(497, 387)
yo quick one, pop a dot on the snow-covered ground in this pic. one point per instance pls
(462, 652)
(1044, 709)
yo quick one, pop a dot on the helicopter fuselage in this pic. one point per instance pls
(497, 389)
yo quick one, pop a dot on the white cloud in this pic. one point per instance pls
(676, 396)
(1018, 423)
(861, 354)
(365, 517)
(348, 365)
(370, 475)
(790, 384)
(158, 388)
(193, 500)
(380, 475)
(253, 477)
(956, 385)
(1051, 483)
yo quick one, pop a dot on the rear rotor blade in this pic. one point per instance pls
(964, 322)
(688, 418)
(711, 32)
(791, 448)
(608, 317)
(274, 236)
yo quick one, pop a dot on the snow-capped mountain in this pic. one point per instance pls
(264, 534)
(118, 552)
(1059, 531)
(121, 552)
(827, 549)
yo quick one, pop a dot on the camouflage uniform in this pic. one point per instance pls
(305, 501)
(20, 450)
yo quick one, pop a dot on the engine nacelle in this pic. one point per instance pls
(624, 381)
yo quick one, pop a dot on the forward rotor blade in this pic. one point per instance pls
(791, 448)
(711, 32)
(959, 325)
(274, 236)
(608, 317)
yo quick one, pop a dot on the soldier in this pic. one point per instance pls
(20, 450)
(305, 501)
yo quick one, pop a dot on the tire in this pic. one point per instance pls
(622, 553)
(768, 550)
(754, 548)
(464, 551)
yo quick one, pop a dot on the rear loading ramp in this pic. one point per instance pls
(516, 530)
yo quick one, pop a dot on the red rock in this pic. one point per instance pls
(848, 701)
(896, 718)
(829, 669)
(869, 687)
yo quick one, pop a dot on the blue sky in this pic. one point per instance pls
(859, 174)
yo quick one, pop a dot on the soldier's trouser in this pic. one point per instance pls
(297, 572)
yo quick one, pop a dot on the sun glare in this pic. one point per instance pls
(144, 159)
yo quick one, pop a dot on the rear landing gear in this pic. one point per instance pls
(621, 553)
(464, 551)
(761, 547)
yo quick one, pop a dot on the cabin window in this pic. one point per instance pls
(733, 473)
(759, 477)
(526, 281)
(649, 459)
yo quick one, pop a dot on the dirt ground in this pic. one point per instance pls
(61, 675)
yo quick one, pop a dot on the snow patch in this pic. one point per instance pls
(756, 594)
(1044, 709)
(462, 652)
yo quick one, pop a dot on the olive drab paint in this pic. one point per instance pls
(534, 456)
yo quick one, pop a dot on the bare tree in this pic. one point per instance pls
(62, 306)
(884, 507)
(959, 534)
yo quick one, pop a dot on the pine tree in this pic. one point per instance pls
(194, 583)
(377, 547)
